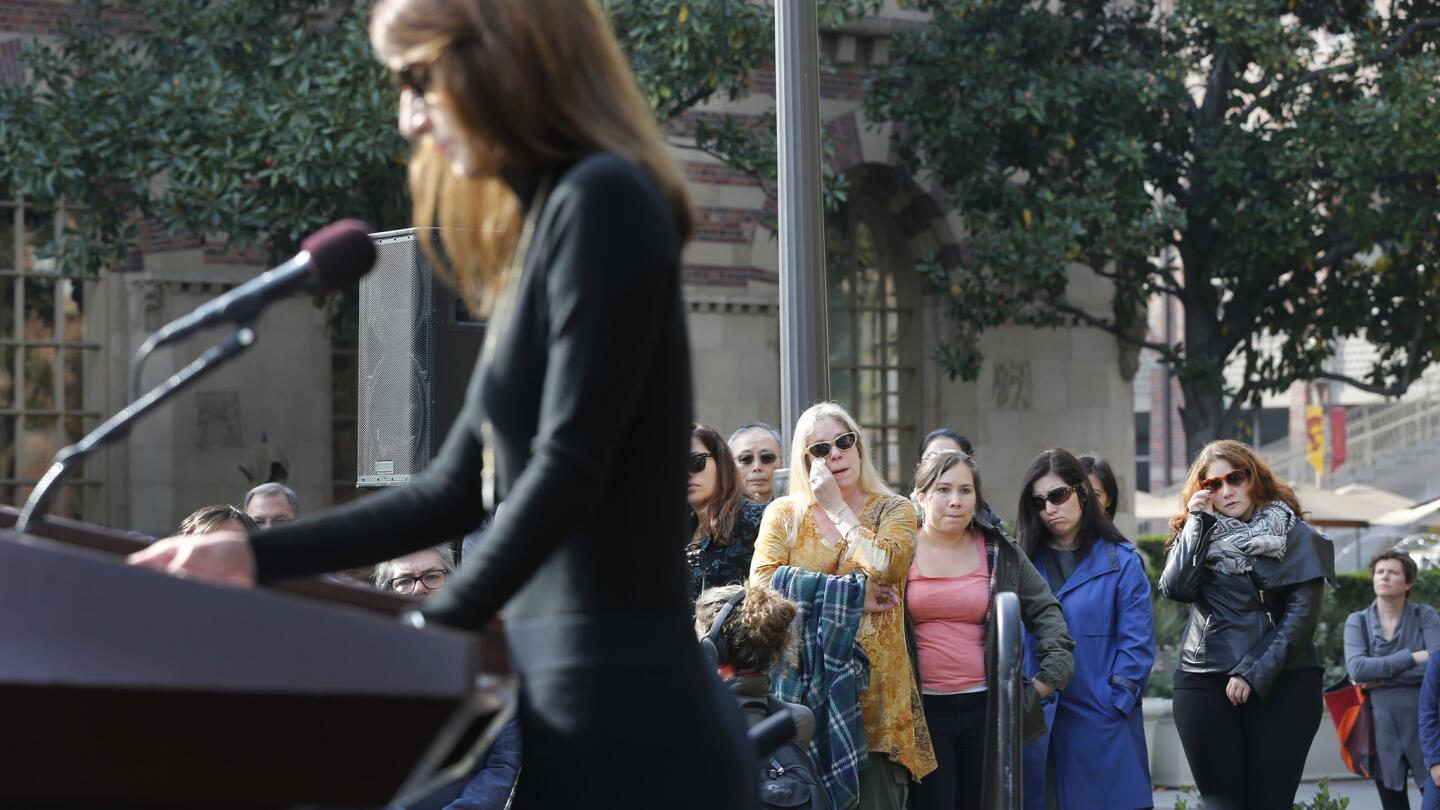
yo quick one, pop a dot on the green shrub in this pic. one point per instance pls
(1152, 551)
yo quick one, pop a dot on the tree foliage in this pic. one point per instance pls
(1271, 166)
(258, 122)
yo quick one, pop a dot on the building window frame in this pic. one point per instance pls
(38, 339)
(873, 303)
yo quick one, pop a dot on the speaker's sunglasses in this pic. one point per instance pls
(699, 460)
(746, 459)
(414, 77)
(1234, 478)
(844, 441)
(1056, 496)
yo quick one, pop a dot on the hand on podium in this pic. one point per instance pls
(222, 557)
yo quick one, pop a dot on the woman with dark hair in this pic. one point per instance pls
(1387, 646)
(947, 439)
(1097, 575)
(726, 521)
(1102, 482)
(944, 439)
(1247, 691)
(960, 564)
(563, 217)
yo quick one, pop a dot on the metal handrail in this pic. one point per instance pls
(1396, 425)
(1005, 738)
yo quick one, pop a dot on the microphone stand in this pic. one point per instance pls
(118, 425)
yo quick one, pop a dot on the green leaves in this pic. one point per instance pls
(258, 122)
(1277, 152)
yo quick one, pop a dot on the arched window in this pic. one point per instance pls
(874, 327)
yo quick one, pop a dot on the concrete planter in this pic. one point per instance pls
(1169, 768)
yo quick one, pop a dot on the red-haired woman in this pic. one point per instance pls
(726, 522)
(1247, 691)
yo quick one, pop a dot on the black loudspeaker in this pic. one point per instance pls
(417, 348)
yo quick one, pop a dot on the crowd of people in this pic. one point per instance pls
(870, 613)
(896, 672)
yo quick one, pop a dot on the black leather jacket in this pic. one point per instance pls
(1254, 626)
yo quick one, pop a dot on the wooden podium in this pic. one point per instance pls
(124, 687)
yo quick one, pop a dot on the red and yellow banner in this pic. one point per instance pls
(1315, 432)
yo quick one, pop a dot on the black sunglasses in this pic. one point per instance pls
(413, 77)
(1057, 496)
(746, 459)
(699, 460)
(1234, 478)
(844, 441)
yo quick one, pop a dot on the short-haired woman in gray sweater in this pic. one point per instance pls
(1387, 646)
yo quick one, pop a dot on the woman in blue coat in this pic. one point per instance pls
(1094, 755)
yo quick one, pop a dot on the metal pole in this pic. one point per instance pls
(1002, 789)
(804, 341)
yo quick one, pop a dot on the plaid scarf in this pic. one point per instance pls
(1235, 544)
(829, 673)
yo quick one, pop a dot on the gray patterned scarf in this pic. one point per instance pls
(1235, 543)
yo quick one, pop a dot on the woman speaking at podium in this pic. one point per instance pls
(563, 217)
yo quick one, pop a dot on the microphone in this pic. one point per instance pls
(328, 259)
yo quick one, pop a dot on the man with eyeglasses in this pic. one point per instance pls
(272, 504)
(420, 574)
(756, 447)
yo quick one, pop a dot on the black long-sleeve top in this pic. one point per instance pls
(588, 393)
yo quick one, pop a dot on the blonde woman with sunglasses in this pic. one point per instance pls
(1247, 690)
(840, 518)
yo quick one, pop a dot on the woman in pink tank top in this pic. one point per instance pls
(960, 563)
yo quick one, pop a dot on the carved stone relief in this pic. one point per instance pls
(217, 419)
(1012, 385)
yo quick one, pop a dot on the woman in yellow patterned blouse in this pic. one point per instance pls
(840, 518)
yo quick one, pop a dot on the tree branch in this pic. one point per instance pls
(752, 171)
(1386, 55)
(1342, 250)
(1209, 111)
(1238, 400)
(1382, 390)
(1166, 352)
(685, 104)
(1159, 284)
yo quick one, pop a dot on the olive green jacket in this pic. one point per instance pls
(1011, 571)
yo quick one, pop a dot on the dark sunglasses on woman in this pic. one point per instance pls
(1057, 496)
(699, 460)
(746, 459)
(1234, 478)
(415, 78)
(844, 441)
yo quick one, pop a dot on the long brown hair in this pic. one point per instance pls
(1264, 486)
(938, 462)
(534, 84)
(718, 521)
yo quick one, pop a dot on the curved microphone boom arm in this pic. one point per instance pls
(118, 425)
(330, 258)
